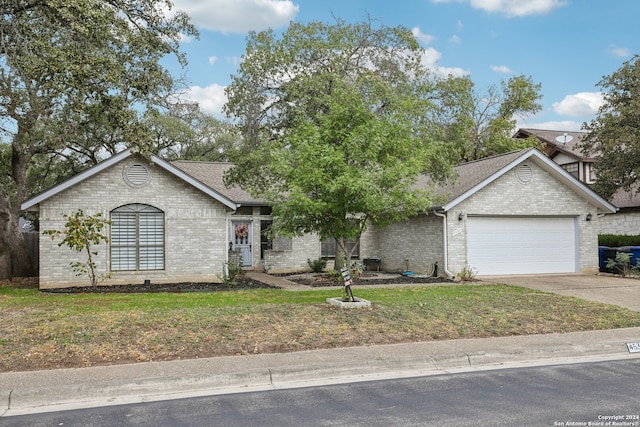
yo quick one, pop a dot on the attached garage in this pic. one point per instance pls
(522, 245)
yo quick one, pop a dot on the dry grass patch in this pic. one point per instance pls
(42, 331)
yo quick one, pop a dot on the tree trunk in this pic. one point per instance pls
(5, 244)
(341, 254)
(14, 259)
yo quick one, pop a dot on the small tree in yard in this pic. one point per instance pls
(334, 120)
(81, 233)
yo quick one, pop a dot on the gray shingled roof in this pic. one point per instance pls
(471, 174)
(211, 174)
(466, 177)
(626, 198)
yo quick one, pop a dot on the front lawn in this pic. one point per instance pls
(42, 331)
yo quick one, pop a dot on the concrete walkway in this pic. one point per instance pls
(63, 389)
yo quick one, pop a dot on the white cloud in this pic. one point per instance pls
(430, 60)
(455, 39)
(211, 98)
(580, 104)
(233, 60)
(512, 8)
(620, 52)
(238, 16)
(213, 60)
(503, 69)
(422, 37)
(185, 38)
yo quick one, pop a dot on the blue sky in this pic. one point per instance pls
(565, 45)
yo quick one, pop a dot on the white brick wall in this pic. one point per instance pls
(416, 242)
(302, 248)
(195, 228)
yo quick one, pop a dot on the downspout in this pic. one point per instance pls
(444, 242)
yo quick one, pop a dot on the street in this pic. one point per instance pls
(602, 393)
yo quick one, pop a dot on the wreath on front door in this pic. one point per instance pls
(242, 231)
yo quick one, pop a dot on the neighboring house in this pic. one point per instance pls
(561, 147)
(627, 219)
(516, 213)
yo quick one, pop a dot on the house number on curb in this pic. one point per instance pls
(634, 347)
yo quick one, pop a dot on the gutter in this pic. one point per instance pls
(445, 246)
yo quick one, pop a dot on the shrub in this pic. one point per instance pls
(468, 274)
(357, 268)
(317, 265)
(622, 263)
(616, 240)
(230, 274)
(334, 275)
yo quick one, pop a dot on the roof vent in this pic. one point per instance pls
(524, 173)
(137, 175)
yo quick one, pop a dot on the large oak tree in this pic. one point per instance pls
(74, 76)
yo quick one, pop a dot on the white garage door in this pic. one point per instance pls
(521, 245)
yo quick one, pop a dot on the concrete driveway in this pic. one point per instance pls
(624, 292)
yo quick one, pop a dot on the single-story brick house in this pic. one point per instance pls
(517, 213)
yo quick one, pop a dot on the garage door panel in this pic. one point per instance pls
(521, 245)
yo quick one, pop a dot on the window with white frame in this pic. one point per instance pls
(572, 168)
(137, 238)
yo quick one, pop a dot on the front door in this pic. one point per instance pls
(241, 238)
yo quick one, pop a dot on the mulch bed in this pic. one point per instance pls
(241, 283)
(310, 279)
(322, 280)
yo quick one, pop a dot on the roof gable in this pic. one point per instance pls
(34, 201)
(474, 176)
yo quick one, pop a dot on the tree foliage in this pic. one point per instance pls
(335, 125)
(81, 234)
(481, 125)
(74, 75)
(184, 132)
(613, 137)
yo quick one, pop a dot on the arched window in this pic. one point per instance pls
(137, 238)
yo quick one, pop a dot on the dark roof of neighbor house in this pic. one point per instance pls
(621, 198)
(557, 141)
(626, 199)
(212, 174)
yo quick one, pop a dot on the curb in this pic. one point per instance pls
(65, 389)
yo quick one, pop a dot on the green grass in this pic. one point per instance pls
(44, 330)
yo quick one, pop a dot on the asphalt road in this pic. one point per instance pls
(578, 394)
